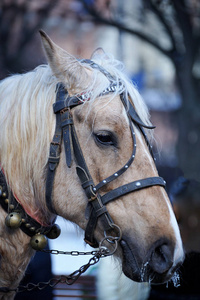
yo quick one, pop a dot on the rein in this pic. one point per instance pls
(73, 277)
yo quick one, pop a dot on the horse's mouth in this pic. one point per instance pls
(140, 270)
(130, 265)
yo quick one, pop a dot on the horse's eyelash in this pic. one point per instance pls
(105, 134)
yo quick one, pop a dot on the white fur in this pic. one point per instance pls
(112, 284)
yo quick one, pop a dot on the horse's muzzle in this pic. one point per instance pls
(156, 267)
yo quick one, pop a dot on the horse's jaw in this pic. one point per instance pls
(156, 267)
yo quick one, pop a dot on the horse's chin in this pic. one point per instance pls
(135, 269)
(130, 265)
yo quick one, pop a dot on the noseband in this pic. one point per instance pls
(65, 130)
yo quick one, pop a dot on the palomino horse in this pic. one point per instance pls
(54, 160)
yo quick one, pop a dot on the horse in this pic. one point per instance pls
(75, 142)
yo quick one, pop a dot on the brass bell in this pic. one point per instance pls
(38, 241)
(54, 232)
(13, 220)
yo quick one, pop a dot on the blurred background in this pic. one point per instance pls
(159, 43)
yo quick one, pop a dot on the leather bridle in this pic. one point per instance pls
(65, 130)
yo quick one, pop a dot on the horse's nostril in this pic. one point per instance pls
(161, 259)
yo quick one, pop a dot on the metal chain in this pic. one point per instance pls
(72, 253)
(70, 279)
(67, 279)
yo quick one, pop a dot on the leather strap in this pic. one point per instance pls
(55, 149)
(131, 111)
(97, 208)
(99, 68)
(10, 204)
(66, 124)
(124, 168)
(132, 187)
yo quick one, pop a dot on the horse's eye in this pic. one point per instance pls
(105, 138)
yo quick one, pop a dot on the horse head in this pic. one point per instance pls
(150, 247)
(99, 172)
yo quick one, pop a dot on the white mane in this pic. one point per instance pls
(27, 123)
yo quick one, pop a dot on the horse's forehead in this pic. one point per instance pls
(108, 110)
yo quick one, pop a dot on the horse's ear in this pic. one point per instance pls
(64, 66)
(98, 52)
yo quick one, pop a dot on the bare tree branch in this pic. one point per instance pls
(98, 18)
(160, 16)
